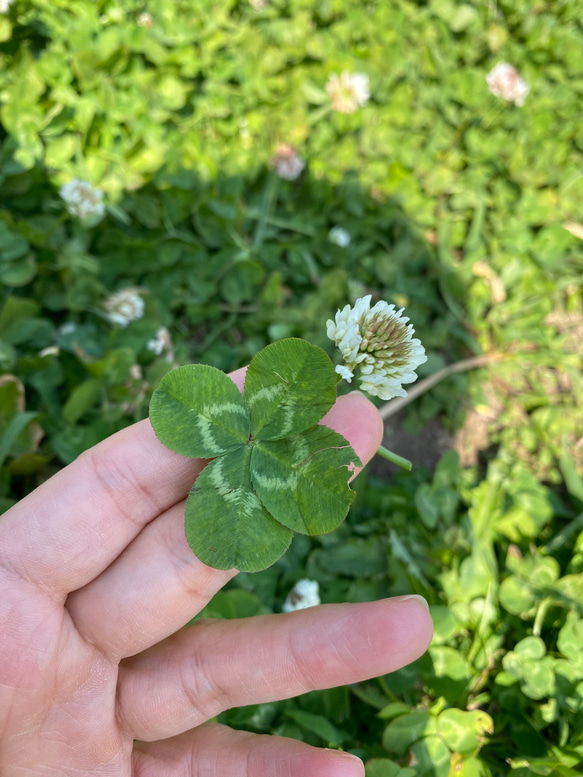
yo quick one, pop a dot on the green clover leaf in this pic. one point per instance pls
(274, 470)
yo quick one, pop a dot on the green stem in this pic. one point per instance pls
(319, 114)
(539, 618)
(561, 539)
(394, 458)
(386, 690)
(269, 198)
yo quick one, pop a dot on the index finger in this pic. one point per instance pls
(64, 534)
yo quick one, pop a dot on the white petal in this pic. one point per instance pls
(305, 593)
(345, 373)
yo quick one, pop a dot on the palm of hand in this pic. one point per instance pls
(96, 674)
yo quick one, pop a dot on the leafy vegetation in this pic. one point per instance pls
(460, 206)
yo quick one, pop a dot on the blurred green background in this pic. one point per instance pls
(462, 206)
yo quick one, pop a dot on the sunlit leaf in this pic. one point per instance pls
(462, 731)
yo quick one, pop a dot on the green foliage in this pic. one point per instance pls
(460, 207)
(274, 470)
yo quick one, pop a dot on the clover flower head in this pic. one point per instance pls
(68, 328)
(339, 237)
(504, 81)
(305, 593)
(378, 343)
(258, 5)
(161, 343)
(5, 5)
(124, 306)
(82, 199)
(348, 91)
(145, 19)
(51, 350)
(287, 162)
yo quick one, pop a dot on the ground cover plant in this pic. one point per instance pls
(252, 167)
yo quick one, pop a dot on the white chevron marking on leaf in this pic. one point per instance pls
(273, 484)
(207, 433)
(289, 413)
(301, 450)
(225, 407)
(267, 393)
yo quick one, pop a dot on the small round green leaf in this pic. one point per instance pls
(405, 730)
(531, 647)
(463, 731)
(289, 386)
(198, 411)
(432, 757)
(570, 639)
(226, 524)
(303, 480)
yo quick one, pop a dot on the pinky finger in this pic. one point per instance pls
(216, 749)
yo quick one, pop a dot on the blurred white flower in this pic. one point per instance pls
(136, 372)
(504, 81)
(124, 306)
(258, 5)
(348, 91)
(145, 19)
(51, 350)
(160, 343)
(5, 5)
(68, 328)
(287, 162)
(339, 236)
(379, 343)
(82, 199)
(305, 593)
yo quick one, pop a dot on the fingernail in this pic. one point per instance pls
(354, 759)
(418, 598)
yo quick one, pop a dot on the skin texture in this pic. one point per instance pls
(98, 675)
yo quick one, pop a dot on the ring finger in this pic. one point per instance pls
(215, 749)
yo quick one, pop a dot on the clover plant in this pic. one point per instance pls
(274, 469)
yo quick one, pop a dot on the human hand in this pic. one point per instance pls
(97, 676)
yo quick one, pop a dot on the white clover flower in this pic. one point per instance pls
(136, 372)
(339, 236)
(287, 162)
(258, 5)
(348, 91)
(305, 593)
(68, 328)
(379, 343)
(161, 342)
(145, 19)
(504, 81)
(124, 306)
(51, 350)
(82, 199)
(5, 5)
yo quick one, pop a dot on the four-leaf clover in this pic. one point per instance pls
(274, 469)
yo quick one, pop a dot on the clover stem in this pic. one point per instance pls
(394, 458)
